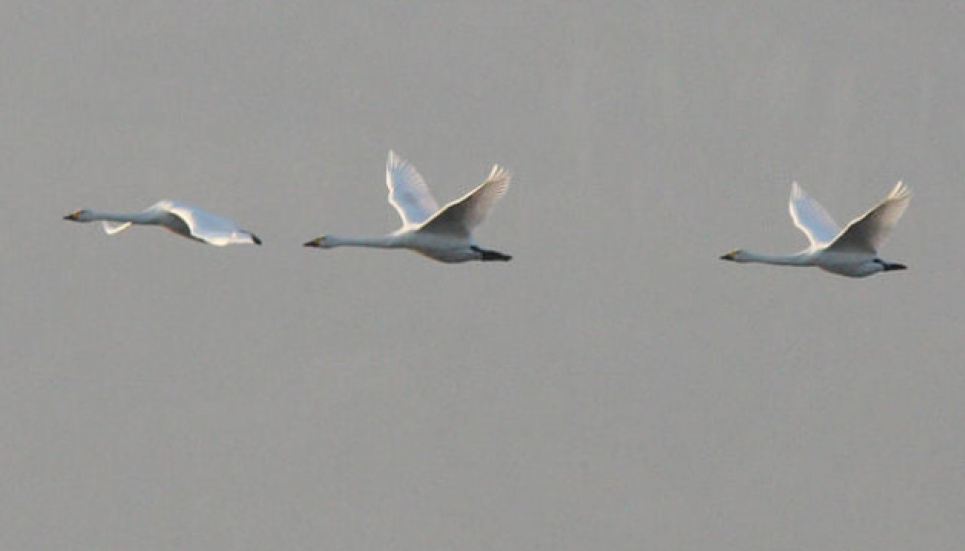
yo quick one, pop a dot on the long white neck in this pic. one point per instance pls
(146, 217)
(380, 242)
(799, 259)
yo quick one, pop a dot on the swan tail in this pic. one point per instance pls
(112, 228)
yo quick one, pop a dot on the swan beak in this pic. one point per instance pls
(313, 243)
(729, 256)
(72, 216)
(890, 267)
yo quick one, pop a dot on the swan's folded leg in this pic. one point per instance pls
(488, 255)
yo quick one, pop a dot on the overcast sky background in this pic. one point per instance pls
(615, 386)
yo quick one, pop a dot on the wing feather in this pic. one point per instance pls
(205, 226)
(408, 191)
(811, 218)
(869, 231)
(112, 228)
(462, 215)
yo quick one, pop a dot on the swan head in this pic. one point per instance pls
(737, 255)
(320, 242)
(79, 216)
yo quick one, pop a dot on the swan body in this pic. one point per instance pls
(443, 234)
(182, 219)
(852, 251)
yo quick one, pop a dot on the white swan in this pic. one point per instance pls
(442, 234)
(851, 252)
(191, 222)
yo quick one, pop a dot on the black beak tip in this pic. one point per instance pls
(255, 239)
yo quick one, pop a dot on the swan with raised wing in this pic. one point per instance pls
(443, 234)
(851, 252)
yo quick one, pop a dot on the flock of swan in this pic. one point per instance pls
(445, 234)
(442, 234)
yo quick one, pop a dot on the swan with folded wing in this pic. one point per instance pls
(182, 219)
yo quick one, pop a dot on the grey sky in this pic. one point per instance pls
(614, 387)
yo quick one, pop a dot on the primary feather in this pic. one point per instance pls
(408, 191)
(461, 216)
(869, 232)
(207, 227)
(811, 218)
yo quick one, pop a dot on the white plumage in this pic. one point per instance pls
(851, 252)
(441, 234)
(182, 219)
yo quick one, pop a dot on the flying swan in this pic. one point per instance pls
(441, 234)
(851, 252)
(185, 220)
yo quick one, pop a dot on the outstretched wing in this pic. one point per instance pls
(204, 226)
(462, 215)
(408, 192)
(870, 231)
(811, 218)
(112, 228)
